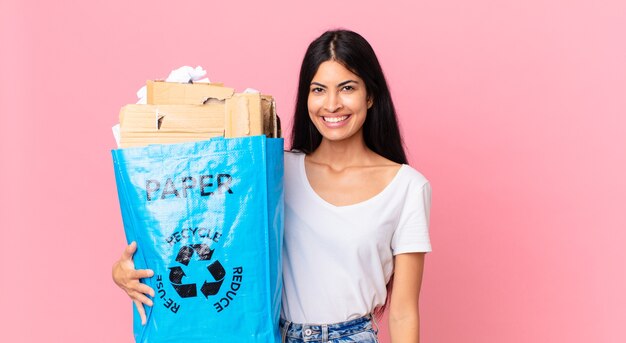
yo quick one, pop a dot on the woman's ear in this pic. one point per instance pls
(370, 103)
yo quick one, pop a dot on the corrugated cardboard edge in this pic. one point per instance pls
(271, 123)
(173, 93)
(243, 116)
(181, 123)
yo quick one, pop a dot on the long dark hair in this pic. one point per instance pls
(380, 130)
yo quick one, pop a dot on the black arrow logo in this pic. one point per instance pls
(217, 271)
(176, 278)
(186, 291)
(176, 275)
(185, 253)
(203, 251)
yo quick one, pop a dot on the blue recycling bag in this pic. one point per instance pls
(208, 219)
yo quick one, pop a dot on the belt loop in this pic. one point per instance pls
(324, 333)
(285, 329)
(373, 317)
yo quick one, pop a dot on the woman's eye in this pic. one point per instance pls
(347, 88)
(317, 90)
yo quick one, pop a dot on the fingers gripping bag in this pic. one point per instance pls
(208, 219)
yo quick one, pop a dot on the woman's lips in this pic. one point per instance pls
(335, 121)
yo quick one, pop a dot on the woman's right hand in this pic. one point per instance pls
(127, 278)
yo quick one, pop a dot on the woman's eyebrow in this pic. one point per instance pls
(318, 84)
(346, 82)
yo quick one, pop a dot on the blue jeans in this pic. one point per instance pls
(356, 330)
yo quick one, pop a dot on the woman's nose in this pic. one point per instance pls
(333, 102)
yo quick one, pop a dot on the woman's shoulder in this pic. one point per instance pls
(293, 155)
(411, 176)
(292, 160)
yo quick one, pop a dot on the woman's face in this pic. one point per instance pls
(337, 102)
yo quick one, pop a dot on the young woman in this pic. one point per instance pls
(356, 215)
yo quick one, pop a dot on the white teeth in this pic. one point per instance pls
(335, 119)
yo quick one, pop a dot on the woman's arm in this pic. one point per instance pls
(404, 302)
(127, 278)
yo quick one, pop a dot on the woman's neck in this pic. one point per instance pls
(341, 154)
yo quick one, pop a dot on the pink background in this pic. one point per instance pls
(515, 110)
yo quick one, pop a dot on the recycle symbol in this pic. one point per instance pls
(189, 290)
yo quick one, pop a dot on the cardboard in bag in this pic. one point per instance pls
(161, 92)
(183, 112)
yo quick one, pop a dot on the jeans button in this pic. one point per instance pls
(308, 332)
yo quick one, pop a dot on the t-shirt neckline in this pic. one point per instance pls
(309, 188)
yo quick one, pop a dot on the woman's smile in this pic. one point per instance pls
(334, 119)
(334, 122)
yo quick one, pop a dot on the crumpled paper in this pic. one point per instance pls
(184, 74)
(251, 91)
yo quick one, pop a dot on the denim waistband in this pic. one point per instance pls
(324, 332)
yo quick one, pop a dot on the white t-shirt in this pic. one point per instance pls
(337, 260)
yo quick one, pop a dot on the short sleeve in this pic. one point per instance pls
(411, 235)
